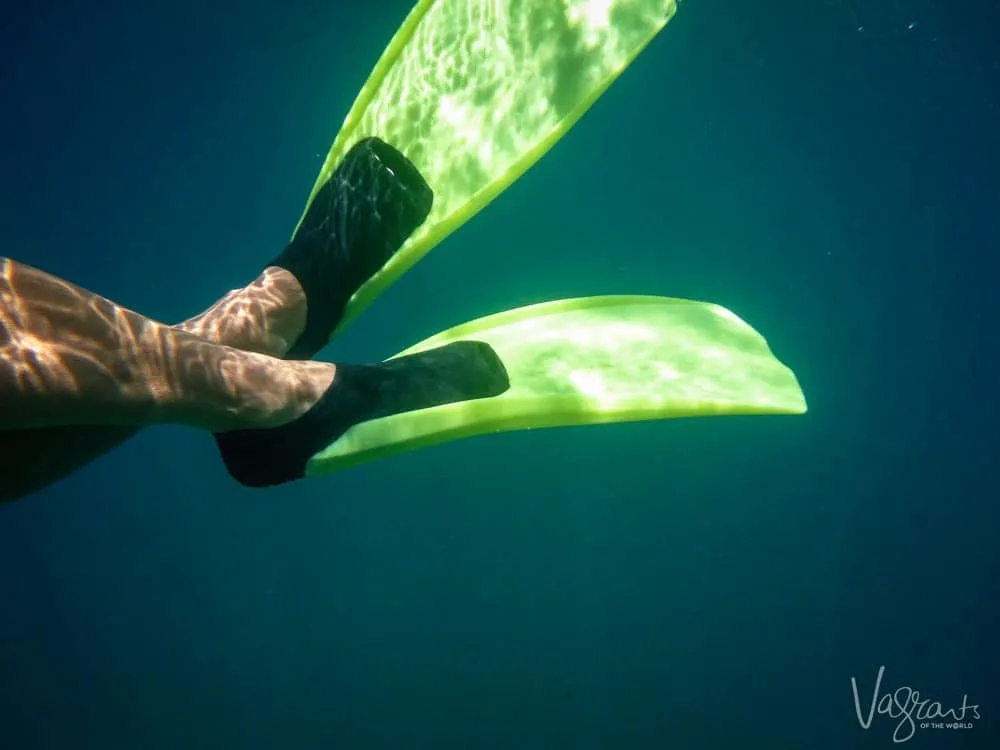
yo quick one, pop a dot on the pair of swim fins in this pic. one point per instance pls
(473, 93)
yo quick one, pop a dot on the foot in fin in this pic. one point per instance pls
(461, 371)
(357, 221)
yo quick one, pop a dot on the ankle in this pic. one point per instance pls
(267, 316)
(268, 392)
(283, 306)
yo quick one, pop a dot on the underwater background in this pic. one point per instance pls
(826, 169)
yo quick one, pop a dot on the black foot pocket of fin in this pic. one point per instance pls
(357, 221)
(461, 371)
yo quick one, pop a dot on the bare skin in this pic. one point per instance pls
(80, 374)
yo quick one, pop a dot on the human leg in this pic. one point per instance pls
(71, 357)
(356, 222)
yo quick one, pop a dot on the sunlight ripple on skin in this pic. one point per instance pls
(59, 343)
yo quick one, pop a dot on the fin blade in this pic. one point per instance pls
(592, 360)
(519, 75)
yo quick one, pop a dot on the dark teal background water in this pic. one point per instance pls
(695, 584)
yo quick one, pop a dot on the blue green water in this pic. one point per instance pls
(827, 170)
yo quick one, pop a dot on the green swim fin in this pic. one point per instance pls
(591, 360)
(474, 92)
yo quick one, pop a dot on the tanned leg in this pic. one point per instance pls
(56, 339)
(71, 357)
